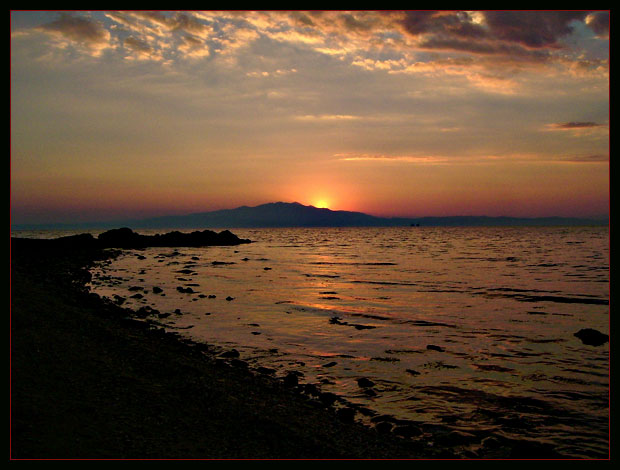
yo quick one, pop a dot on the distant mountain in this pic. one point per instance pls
(284, 214)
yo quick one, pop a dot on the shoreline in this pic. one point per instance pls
(88, 381)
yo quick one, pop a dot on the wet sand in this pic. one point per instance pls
(90, 382)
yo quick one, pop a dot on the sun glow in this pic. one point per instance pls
(321, 203)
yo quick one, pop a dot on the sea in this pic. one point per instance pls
(466, 332)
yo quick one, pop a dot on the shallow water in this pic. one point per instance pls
(463, 329)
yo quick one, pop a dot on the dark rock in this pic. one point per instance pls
(364, 382)
(185, 271)
(383, 427)
(127, 238)
(233, 353)
(312, 389)
(239, 363)
(385, 359)
(592, 337)
(121, 238)
(229, 298)
(413, 372)
(136, 296)
(379, 418)
(144, 312)
(211, 296)
(328, 398)
(407, 431)
(135, 288)
(291, 379)
(432, 347)
(157, 290)
(186, 290)
(330, 364)
(493, 368)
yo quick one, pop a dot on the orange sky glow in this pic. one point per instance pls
(122, 114)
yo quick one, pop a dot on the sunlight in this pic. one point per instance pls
(321, 203)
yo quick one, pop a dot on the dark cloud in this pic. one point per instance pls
(355, 24)
(599, 22)
(155, 16)
(302, 19)
(192, 41)
(418, 22)
(587, 158)
(77, 28)
(185, 22)
(575, 125)
(525, 34)
(484, 48)
(456, 23)
(535, 29)
(180, 21)
(137, 45)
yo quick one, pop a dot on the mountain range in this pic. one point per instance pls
(284, 214)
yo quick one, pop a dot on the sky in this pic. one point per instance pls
(130, 114)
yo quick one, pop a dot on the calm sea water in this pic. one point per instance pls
(469, 330)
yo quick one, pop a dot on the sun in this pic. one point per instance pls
(321, 203)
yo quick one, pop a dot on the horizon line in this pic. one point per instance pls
(93, 223)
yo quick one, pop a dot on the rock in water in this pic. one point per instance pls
(291, 379)
(126, 238)
(364, 382)
(592, 337)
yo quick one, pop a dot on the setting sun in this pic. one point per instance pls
(321, 204)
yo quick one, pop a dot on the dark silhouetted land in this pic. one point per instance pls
(282, 214)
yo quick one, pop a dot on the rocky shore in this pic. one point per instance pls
(89, 381)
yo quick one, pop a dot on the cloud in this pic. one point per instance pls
(78, 29)
(575, 125)
(578, 128)
(490, 47)
(455, 23)
(567, 126)
(275, 73)
(382, 158)
(137, 45)
(596, 158)
(328, 117)
(533, 29)
(599, 23)
(193, 47)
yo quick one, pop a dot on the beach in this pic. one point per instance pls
(89, 382)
